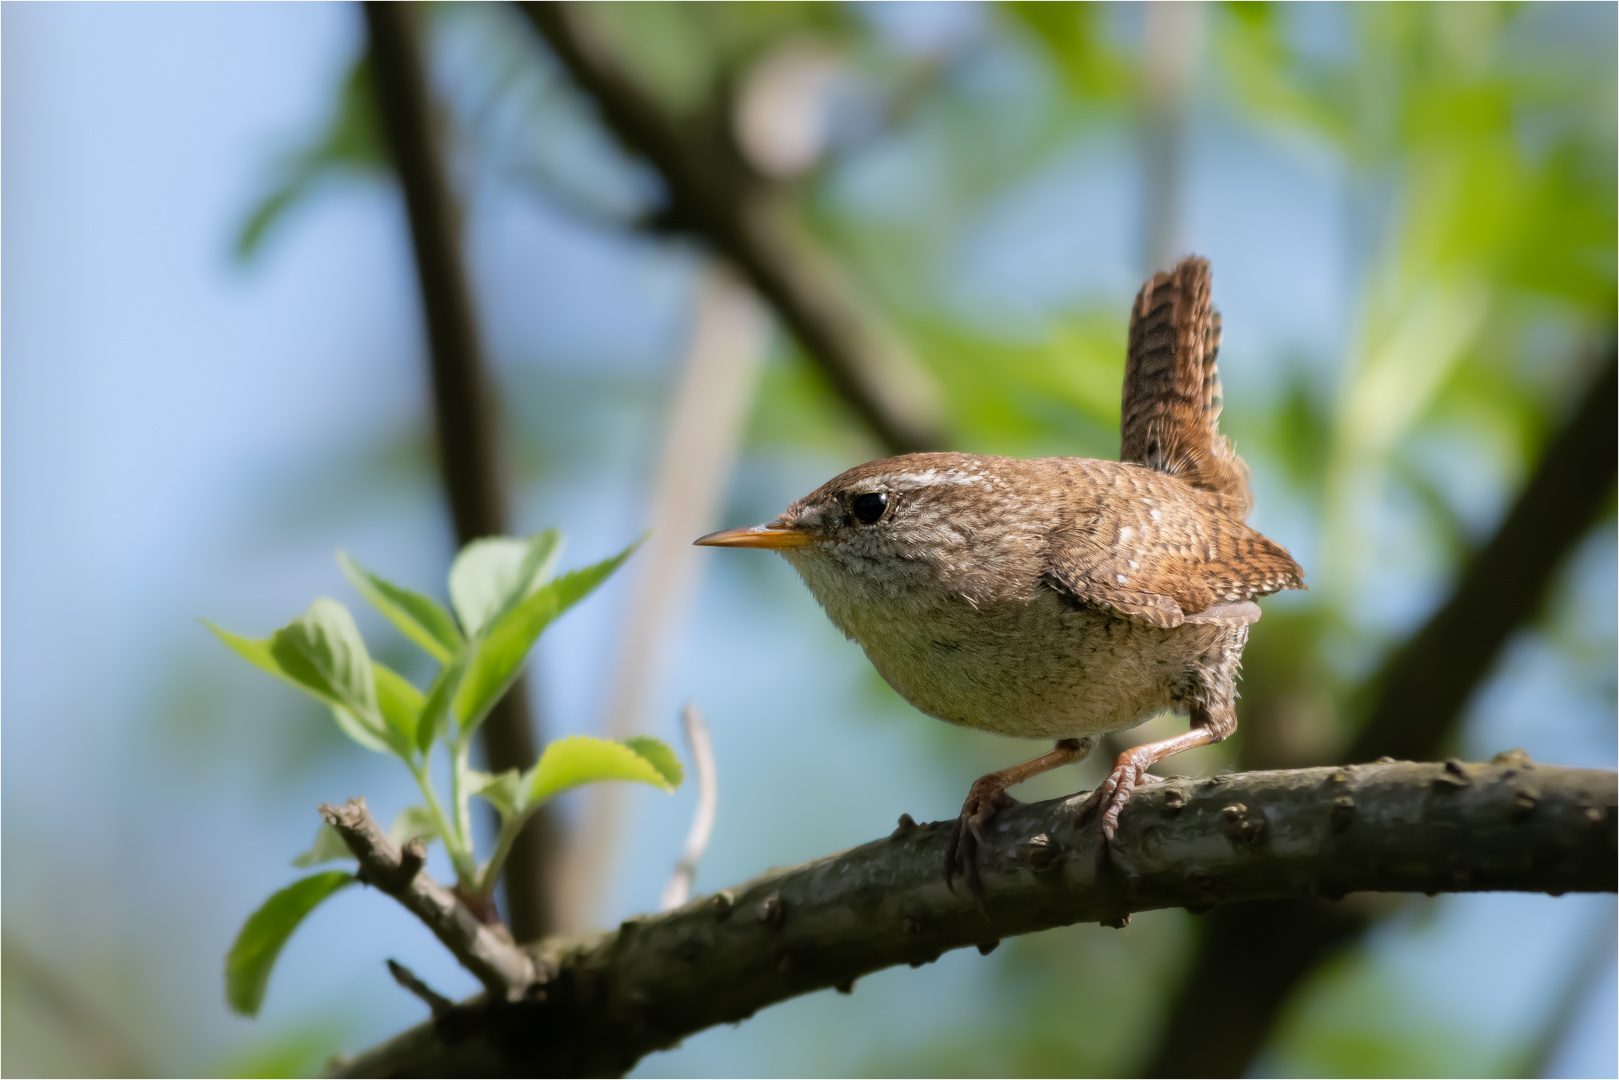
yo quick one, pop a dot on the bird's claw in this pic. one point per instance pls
(987, 798)
(1111, 795)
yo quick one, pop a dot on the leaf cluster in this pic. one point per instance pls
(504, 593)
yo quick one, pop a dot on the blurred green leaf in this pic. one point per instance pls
(1300, 434)
(416, 616)
(327, 632)
(371, 734)
(349, 142)
(500, 655)
(303, 1050)
(661, 755)
(255, 651)
(322, 651)
(490, 576)
(413, 822)
(437, 707)
(251, 958)
(502, 791)
(581, 759)
(401, 706)
(328, 846)
(1073, 35)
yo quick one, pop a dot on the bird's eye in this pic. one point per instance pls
(868, 508)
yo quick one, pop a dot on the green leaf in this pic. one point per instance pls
(321, 650)
(581, 759)
(418, 617)
(254, 651)
(504, 791)
(499, 657)
(411, 822)
(369, 730)
(491, 576)
(662, 757)
(351, 142)
(248, 965)
(401, 706)
(437, 707)
(371, 734)
(328, 846)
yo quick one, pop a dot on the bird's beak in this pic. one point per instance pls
(773, 536)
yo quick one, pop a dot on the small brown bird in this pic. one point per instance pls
(1057, 597)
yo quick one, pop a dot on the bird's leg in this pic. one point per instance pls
(987, 797)
(1209, 726)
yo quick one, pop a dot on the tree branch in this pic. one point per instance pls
(483, 949)
(465, 420)
(713, 193)
(605, 1000)
(1252, 957)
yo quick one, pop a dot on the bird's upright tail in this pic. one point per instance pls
(1171, 416)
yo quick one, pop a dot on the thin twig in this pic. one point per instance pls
(707, 418)
(678, 891)
(436, 1002)
(484, 949)
(606, 1000)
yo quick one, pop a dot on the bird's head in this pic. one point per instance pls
(892, 521)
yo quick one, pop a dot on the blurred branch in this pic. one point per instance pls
(483, 949)
(40, 1000)
(465, 420)
(1172, 48)
(707, 418)
(714, 194)
(1251, 958)
(1424, 686)
(603, 1001)
(678, 891)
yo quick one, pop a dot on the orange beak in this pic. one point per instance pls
(772, 536)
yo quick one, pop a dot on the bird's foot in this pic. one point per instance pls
(1129, 773)
(986, 799)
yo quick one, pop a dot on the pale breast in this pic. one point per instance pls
(1044, 668)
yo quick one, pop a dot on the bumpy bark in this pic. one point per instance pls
(601, 1002)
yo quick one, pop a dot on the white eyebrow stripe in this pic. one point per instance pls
(910, 481)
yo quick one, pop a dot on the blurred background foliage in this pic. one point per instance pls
(1410, 211)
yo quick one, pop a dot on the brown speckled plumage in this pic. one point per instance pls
(1171, 415)
(1060, 597)
(1054, 597)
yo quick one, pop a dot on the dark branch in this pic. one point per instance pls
(605, 1000)
(1426, 685)
(713, 193)
(437, 1003)
(466, 422)
(1252, 957)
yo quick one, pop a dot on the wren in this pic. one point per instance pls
(1058, 598)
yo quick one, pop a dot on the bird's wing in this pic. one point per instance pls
(1202, 569)
(1171, 414)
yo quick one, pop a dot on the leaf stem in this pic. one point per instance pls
(459, 796)
(509, 828)
(466, 868)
